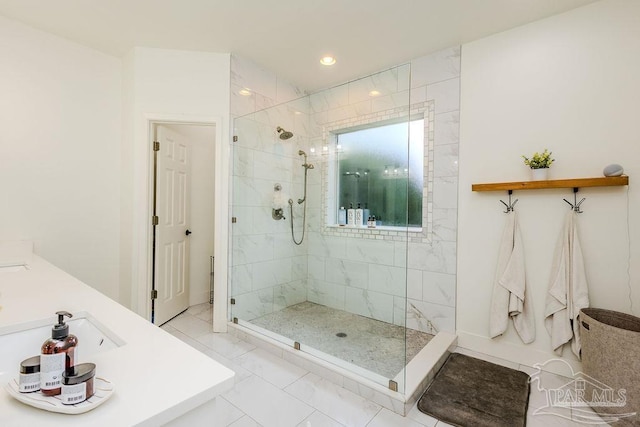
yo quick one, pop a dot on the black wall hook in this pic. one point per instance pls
(510, 206)
(575, 205)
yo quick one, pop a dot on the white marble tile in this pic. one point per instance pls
(424, 419)
(374, 396)
(445, 192)
(386, 418)
(253, 304)
(241, 279)
(314, 368)
(271, 273)
(336, 402)
(371, 251)
(316, 267)
(224, 412)
(439, 288)
(385, 83)
(245, 192)
(348, 273)
(244, 224)
(241, 373)
(271, 368)
(447, 128)
(242, 161)
(241, 104)
(388, 280)
(426, 317)
(191, 325)
(329, 99)
(369, 304)
(389, 102)
(445, 224)
(245, 421)
(259, 399)
(246, 73)
(445, 161)
(441, 65)
(252, 248)
(188, 340)
(325, 293)
(318, 419)
(414, 284)
(437, 256)
(299, 268)
(289, 294)
(399, 311)
(263, 102)
(327, 246)
(446, 95)
(225, 344)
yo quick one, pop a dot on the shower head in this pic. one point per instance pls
(301, 153)
(283, 133)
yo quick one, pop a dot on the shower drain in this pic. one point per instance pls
(341, 334)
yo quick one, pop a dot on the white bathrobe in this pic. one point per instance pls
(568, 292)
(510, 299)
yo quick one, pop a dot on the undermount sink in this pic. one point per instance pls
(20, 342)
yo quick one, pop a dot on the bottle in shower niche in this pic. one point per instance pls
(342, 216)
(351, 216)
(366, 213)
(359, 219)
(57, 356)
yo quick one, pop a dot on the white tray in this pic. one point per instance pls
(103, 389)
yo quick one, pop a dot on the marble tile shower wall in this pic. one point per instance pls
(268, 272)
(410, 283)
(383, 276)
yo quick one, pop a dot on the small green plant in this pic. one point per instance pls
(539, 161)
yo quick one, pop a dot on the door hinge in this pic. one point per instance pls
(155, 220)
(156, 146)
(235, 138)
(154, 294)
(233, 301)
(234, 220)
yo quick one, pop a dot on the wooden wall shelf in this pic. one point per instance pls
(553, 183)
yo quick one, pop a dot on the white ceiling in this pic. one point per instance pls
(285, 36)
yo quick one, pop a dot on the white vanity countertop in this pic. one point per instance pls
(157, 377)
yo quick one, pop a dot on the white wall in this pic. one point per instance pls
(175, 85)
(60, 115)
(570, 84)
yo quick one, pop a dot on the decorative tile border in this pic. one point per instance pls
(423, 235)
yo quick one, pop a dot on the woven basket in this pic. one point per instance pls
(611, 355)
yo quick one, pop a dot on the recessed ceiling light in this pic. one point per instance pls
(374, 93)
(244, 92)
(328, 60)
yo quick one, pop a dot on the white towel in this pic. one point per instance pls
(510, 294)
(568, 292)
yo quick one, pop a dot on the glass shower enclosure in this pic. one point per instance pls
(303, 271)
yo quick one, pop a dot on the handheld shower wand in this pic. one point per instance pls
(306, 167)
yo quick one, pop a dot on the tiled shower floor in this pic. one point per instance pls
(371, 344)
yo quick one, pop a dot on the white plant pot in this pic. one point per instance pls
(539, 174)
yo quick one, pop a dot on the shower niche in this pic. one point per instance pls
(347, 296)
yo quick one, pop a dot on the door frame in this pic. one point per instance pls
(142, 258)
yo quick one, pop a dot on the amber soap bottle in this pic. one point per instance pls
(57, 356)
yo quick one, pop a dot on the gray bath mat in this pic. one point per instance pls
(472, 392)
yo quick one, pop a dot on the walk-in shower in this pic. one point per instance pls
(343, 296)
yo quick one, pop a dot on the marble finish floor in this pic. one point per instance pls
(370, 344)
(270, 391)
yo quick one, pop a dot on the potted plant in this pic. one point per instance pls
(539, 164)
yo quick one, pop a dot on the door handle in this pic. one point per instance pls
(187, 232)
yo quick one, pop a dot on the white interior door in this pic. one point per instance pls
(172, 235)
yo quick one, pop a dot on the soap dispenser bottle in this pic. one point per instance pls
(57, 356)
(351, 216)
(359, 219)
